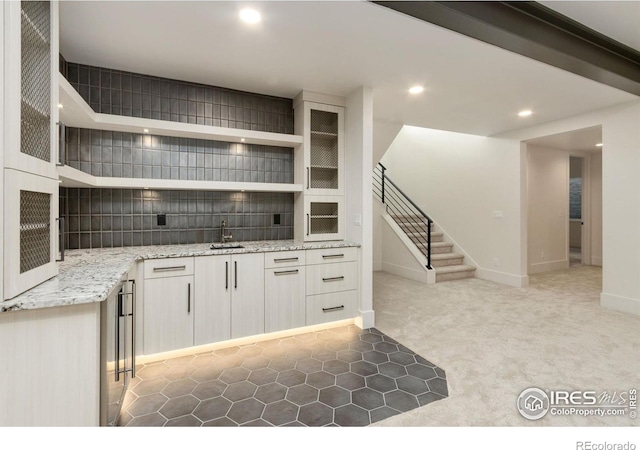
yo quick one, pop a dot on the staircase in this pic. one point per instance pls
(447, 264)
(419, 228)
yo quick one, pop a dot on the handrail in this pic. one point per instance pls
(407, 197)
(400, 204)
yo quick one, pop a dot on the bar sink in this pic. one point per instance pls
(225, 246)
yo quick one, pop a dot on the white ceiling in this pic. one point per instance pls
(584, 140)
(331, 47)
(620, 20)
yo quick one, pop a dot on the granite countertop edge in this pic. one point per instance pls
(89, 276)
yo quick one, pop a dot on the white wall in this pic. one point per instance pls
(358, 188)
(595, 161)
(620, 197)
(460, 180)
(548, 200)
(621, 210)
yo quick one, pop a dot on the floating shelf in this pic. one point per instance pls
(77, 113)
(75, 178)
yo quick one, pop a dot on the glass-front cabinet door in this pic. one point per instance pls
(324, 155)
(323, 218)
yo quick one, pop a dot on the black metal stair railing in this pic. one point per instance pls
(409, 216)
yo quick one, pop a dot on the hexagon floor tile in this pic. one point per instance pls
(336, 377)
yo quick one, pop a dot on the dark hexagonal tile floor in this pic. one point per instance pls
(337, 377)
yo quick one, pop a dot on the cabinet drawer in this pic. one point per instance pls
(331, 255)
(168, 267)
(325, 278)
(273, 260)
(330, 307)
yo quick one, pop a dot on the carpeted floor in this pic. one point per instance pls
(494, 341)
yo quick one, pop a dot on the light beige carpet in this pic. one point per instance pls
(494, 341)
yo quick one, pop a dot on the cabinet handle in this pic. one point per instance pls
(189, 298)
(61, 239)
(308, 179)
(167, 269)
(335, 308)
(286, 272)
(133, 328)
(62, 143)
(333, 279)
(235, 269)
(118, 313)
(285, 259)
(338, 255)
(308, 224)
(226, 275)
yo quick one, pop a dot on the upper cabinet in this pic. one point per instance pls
(31, 72)
(30, 34)
(320, 167)
(323, 130)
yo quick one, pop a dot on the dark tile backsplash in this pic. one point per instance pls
(130, 94)
(132, 155)
(97, 218)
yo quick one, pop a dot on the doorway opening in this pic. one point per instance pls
(576, 222)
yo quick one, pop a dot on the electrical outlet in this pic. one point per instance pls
(496, 262)
(358, 220)
(498, 215)
(162, 220)
(542, 255)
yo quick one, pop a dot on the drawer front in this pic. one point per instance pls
(325, 278)
(331, 255)
(273, 260)
(331, 307)
(168, 267)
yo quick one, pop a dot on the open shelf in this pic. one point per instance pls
(77, 113)
(75, 178)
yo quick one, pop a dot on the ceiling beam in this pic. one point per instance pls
(535, 31)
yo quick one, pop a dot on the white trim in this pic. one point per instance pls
(406, 272)
(317, 97)
(619, 303)
(365, 320)
(548, 266)
(596, 261)
(502, 277)
(71, 177)
(77, 113)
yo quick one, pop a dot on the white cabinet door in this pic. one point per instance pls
(324, 218)
(247, 294)
(284, 301)
(212, 299)
(324, 149)
(168, 314)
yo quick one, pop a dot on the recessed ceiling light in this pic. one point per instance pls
(146, 130)
(60, 105)
(599, 144)
(416, 90)
(250, 16)
(242, 140)
(525, 113)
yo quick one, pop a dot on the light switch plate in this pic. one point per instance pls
(358, 220)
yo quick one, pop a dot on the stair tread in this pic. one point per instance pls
(439, 256)
(454, 269)
(424, 233)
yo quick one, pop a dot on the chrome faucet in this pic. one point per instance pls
(224, 238)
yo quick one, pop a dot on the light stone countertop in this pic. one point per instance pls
(87, 276)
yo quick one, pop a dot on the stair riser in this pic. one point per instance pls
(423, 237)
(446, 262)
(454, 276)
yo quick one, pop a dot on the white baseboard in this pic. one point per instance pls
(377, 265)
(618, 303)
(366, 319)
(407, 272)
(548, 266)
(502, 277)
(596, 261)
